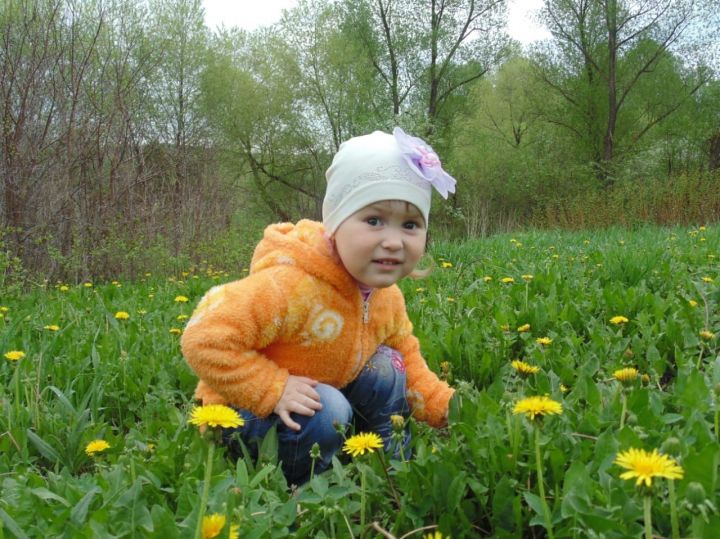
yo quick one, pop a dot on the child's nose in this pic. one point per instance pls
(392, 240)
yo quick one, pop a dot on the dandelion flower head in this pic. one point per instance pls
(544, 340)
(537, 406)
(617, 320)
(644, 466)
(524, 368)
(435, 535)
(625, 375)
(507, 280)
(181, 299)
(524, 328)
(212, 525)
(122, 315)
(362, 443)
(14, 355)
(215, 415)
(96, 446)
(707, 335)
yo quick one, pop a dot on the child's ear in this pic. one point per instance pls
(330, 242)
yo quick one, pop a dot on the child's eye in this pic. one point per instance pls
(373, 221)
(411, 225)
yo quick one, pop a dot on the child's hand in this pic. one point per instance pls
(300, 397)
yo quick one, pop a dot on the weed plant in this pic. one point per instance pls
(546, 298)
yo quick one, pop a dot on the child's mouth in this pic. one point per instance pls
(387, 262)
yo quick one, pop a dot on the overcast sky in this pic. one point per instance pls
(250, 14)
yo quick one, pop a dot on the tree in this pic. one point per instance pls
(427, 52)
(603, 51)
(251, 100)
(335, 81)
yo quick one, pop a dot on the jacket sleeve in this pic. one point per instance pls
(223, 337)
(427, 395)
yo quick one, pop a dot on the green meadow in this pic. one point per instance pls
(575, 307)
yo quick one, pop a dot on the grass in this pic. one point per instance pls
(125, 381)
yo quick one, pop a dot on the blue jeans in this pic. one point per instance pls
(377, 393)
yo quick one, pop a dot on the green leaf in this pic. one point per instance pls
(45, 495)
(12, 525)
(533, 500)
(46, 450)
(502, 504)
(79, 512)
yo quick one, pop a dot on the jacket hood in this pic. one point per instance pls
(303, 245)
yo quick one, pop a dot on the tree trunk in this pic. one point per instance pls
(714, 163)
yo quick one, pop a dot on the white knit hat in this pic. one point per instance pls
(368, 169)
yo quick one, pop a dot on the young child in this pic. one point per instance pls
(317, 337)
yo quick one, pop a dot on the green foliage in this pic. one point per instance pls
(125, 381)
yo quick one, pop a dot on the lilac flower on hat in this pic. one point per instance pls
(424, 162)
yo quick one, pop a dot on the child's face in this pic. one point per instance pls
(381, 243)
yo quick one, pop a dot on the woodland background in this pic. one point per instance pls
(134, 138)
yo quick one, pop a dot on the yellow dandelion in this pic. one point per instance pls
(527, 277)
(563, 388)
(175, 331)
(52, 327)
(617, 320)
(450, 299)
(87, 285)
(4, 309)
(586, 242)
(215, 415)
(524, 328)
(212, 525)
(122, 315)
(14, 355)
(234, 531)
(96, 446)
(692, 303)
(537, 406)
(446, 265)
(148, 274)
(420, 289)
(435, 535)
(64, 288)
(487, 278)
(362, 443)
(507, 280)
(626, 375)
(707, 335)
(142, 312)
(644, 466)
(645, 378)
(505, 327)
(545, 341)
(523, 368)
(707, 279)
(181, 299)
(182, 317)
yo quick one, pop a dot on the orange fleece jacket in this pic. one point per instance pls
(300, 312)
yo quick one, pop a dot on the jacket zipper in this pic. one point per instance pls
(365, 319)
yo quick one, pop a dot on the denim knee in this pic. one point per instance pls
(324, 428)
(335, 414)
